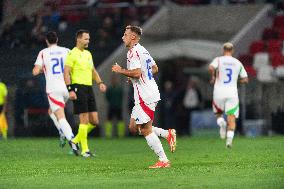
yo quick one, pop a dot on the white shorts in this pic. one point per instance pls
(57, 99)
(143, 113)
(229, 106)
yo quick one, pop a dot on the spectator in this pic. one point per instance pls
(168, 96)
(114, 98)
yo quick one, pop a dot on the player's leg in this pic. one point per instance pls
(57, 104)
(143, 115)
(218, 109)
(54, 119)
(155, 144)
(65, 128)
(231, 130)
(169, 135)
(132, 126)
(232, 111)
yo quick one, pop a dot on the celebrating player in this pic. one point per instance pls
(225, 72)
(140, 69)
(51, 61)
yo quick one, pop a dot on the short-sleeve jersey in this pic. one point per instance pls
(3, 93)
(51, 60)
(145, 88)
(82, 65)
(228, 70)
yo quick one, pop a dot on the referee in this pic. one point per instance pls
(79, 73)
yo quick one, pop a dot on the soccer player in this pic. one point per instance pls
(50, 61)
(140, 70)
(3, 105)
(226, 71)
(79, 74)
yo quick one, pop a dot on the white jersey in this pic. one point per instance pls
(228, 70)
(145, 88)
(51, 60)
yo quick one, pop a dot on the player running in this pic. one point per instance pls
(226, 71)
(50, 61)
(140, 70)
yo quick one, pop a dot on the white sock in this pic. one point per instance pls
(221, 122)
(54, 119)
(160, 132)
(230, 134)
(66, 129)
(155, 144)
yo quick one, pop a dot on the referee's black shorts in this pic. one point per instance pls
(85, 101)
(1, 108)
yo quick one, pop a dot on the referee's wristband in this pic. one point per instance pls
(70, 88)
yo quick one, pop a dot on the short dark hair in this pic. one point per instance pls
(135, 29)
(51, 37)
(79, 33)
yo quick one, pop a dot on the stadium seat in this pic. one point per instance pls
(269, 33)
(251, 71)
(265, 74)
(274, 45)
(281, 34)
(257, 46)
(278, 22)
(246, 59)
(277, 59)
(260, 59)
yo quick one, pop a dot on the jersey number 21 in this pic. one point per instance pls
(57, 65)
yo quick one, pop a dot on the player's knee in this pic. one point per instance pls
(132, 129)
(145, 131)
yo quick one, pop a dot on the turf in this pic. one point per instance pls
(122, 163)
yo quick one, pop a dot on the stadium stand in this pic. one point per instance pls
(23, 36)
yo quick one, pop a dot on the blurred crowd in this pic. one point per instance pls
(28, 29)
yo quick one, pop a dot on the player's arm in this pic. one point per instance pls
(212, 72)
(98, 80)
(134, 73)
(36, 70)
(243, 76)
(243, 80)
(155, 69)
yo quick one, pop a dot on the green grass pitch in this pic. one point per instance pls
(199, 162)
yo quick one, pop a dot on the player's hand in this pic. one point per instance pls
(102, 87)
(72, 95)
(212, 80)
(116, 68)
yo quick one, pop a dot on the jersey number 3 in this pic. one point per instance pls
(229, 72)
(57, 65)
